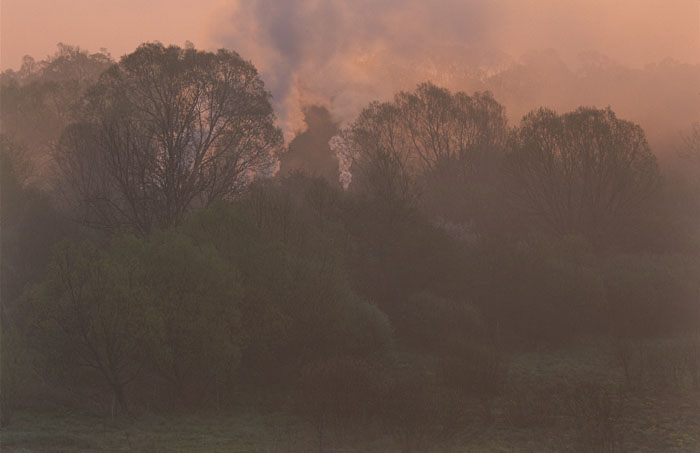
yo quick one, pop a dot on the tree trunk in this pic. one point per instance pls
(120, 397)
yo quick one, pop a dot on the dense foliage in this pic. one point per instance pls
(396, 300)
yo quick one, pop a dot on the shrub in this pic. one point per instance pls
(651, 295)
(437, 325)
(547, 291)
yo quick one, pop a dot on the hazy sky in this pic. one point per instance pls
(343, 53)
(34, 27)
(632, 31)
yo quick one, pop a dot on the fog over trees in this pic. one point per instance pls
(429, 275)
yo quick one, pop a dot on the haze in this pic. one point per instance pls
(633, 32)
(350, 225)
(345, 54)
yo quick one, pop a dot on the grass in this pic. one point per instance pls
(69, 431)
(535, 414)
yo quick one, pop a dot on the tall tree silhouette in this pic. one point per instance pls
(164, 131)
(581, 172)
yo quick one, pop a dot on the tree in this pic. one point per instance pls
(652, 295)
(160, 307)
(40, 99)
(427, 148)
(165, 131)
(691, 142)
(89, 316)
(194, 333)
(382, 166)
(460, 141)
(583, 172)
(29, 227)
(448, 129)
(298, 305)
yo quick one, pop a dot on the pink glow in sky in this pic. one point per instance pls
(34, 27)
(631, 31)
(345, 53)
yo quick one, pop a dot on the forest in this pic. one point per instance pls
(429, 276)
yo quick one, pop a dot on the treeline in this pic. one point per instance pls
(155, 259)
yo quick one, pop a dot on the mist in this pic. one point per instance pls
(378, 226)
(559, 54)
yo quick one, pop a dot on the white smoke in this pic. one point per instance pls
(343, 54)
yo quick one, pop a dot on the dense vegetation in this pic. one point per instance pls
(154, 261)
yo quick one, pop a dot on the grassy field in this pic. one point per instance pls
(69, 431)
(562, 400)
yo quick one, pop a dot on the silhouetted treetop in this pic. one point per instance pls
(167, 130)
(580, 172)
(428, 148)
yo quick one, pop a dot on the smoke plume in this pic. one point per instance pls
(638, 56)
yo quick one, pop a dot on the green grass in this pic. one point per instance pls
(650, 420)
(79, 432)
(69, 432)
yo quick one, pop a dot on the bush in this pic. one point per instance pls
(159, 306)
(651, 295)
(88, 318)
(545, 291)
(192, 299)
(298, 306)
(438, 325)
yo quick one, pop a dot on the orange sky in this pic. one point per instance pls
(632, 31)
(34, 27)
(344, 53)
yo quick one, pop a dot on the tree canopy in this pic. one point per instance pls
(165, 130)
(426, 148)
(581, 172)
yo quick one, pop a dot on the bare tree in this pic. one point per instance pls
(581, 172)
(446, 130)
(460, 142)
(429, 147)
(164, 131)
(382, 164)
